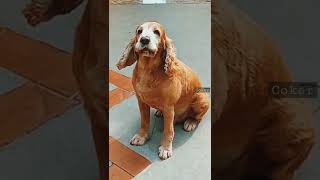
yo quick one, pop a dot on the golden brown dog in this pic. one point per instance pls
(254, 133)
(89, 61)
(162, 81)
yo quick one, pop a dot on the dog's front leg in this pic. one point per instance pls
(165, 150)
(141, 137)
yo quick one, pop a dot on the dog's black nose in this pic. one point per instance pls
(144, 40)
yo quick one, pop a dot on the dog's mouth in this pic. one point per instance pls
(147, 52)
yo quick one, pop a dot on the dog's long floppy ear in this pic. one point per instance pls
(169, 57)
(129, 56)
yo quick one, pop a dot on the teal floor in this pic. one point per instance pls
(62, 149)
(9, 81)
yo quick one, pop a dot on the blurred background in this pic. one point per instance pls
(294, 27)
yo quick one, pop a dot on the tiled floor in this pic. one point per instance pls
(10, 79)
(112, 87)
(128, 160)
(122, 88)
(125, 162)
(60, 149)
(28, 107)
(45, 64)
(43, 85)
(45, 133)
(43, 88)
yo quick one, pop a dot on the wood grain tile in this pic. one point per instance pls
(111, 139)
(37, 61)
(116, 173)
(118, 95)
(26, 108)
(120, 80)
(126, 158)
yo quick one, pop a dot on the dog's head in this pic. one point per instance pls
(150, 40)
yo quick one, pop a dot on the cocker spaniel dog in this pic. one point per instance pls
(255, 134)
(163, 82)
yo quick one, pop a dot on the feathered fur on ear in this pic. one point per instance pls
(169, 56)
(128, 57)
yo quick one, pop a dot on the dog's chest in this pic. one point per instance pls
(148, 88)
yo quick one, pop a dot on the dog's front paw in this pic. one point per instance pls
(190, 125)
(138, 140)
(165, 153)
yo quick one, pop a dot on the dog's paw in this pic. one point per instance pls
(37, 11)
(138, 140)
(190, 125)
(158, 113)
(165, 153)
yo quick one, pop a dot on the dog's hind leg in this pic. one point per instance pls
(199, 107)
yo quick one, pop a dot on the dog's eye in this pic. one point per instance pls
(157, 32)
(139, 31)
